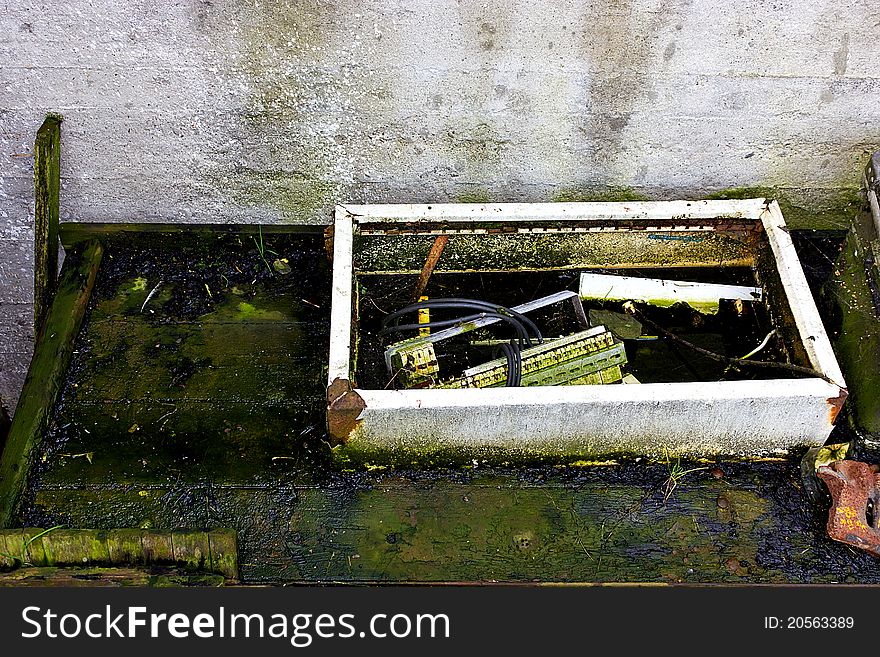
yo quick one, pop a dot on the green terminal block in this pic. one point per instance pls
(593, 356)
(417, 364)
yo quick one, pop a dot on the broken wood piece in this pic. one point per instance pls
(430, 262)
(703, 297)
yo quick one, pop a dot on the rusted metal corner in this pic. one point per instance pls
(854, 488)
(328, 241)
(344, 407)
(836, 404)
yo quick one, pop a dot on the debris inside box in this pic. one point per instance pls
(483, 330)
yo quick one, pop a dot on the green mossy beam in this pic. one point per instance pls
(47, 184)
(212, 551)
(52, 355)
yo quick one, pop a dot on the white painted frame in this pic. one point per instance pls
(736, 418)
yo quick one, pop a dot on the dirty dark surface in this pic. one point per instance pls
(204, 408)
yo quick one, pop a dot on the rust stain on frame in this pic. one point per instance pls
(836, 404)
(344, 407)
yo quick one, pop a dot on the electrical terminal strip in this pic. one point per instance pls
(593, 356)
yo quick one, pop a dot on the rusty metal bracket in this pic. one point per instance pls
(854, 517)
(344, 406)
(328, 242)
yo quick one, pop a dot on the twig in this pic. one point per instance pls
(760, 346)
(430, 262)
(150, 295)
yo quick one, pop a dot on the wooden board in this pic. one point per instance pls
(52, 354)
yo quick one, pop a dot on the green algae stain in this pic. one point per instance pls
(250, 312)
(496, 528)
(825, 210)
(474, 196)
(830, 210)
(598, 194)
(131, 295)
(160, 395)
(858, 340)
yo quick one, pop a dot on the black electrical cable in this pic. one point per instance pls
(514, 363)
(507, 350)
(521, 332)
(512, 350)
(517, 361)
(473, 304)
(491, 311)
(445, 323)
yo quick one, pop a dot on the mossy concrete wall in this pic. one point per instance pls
(273, 110)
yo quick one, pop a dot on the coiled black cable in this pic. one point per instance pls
(473, 304)
(514, 363)
(521, 333)
(511, 374)
(512, 350)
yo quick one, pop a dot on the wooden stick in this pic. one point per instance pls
(430, 262)
(47, 184)
(52, 354)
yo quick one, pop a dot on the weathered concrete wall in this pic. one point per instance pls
(262, 111)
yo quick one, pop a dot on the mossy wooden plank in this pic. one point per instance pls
(33, 544)
(149, 442)
(5, 422)
(74, 232)
(858, 340)
(48, 366)
(191, 549)
(125, 546)
(73, 547)
(79, 547)
(158, 546)
(10, 549)
(611, 523)
(47, 184)
(47, 576)
(224, 552)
